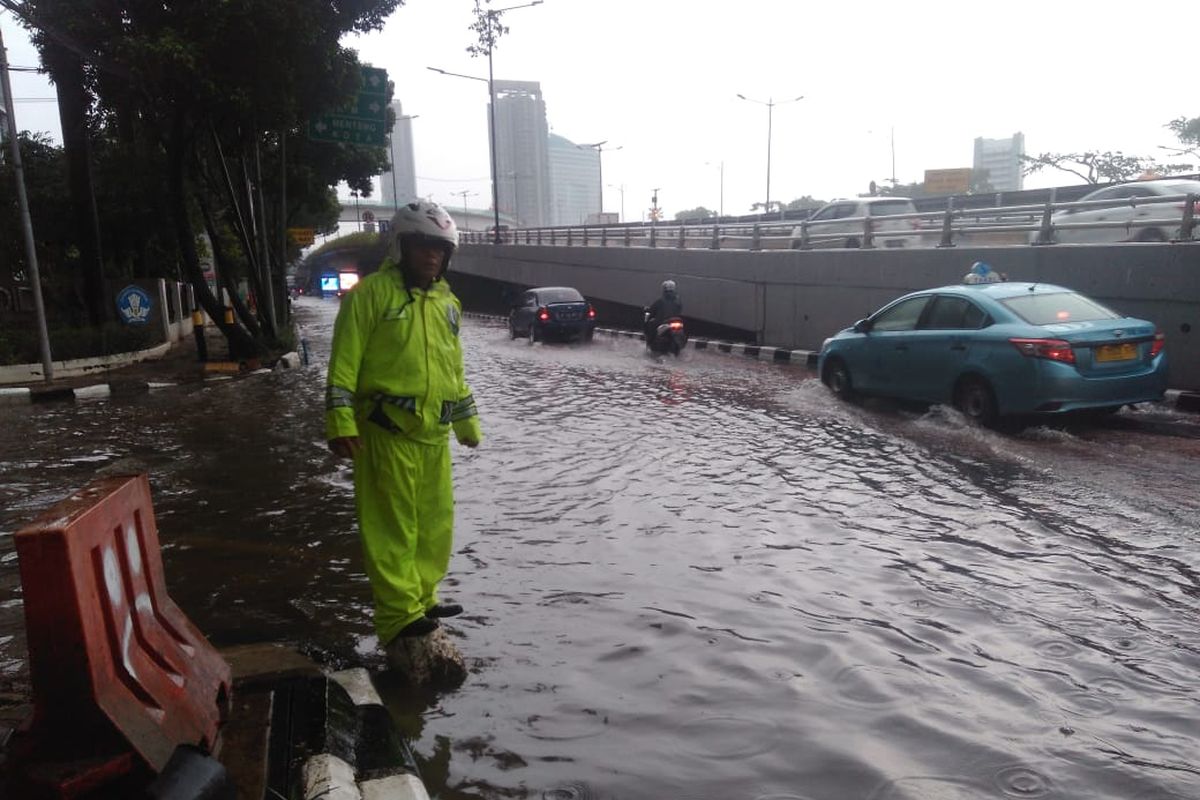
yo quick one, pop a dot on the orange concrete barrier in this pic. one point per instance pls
(120, 676)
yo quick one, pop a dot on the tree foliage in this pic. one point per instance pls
(697, 214)
(198, 114)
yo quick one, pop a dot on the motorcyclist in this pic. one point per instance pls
(666, 306)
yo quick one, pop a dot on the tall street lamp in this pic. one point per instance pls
(770, 104)
(488, 26)
(621, 189)
(392, 142)
(600, 149)
(721, 166)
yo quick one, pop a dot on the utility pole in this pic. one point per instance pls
(465, 193)
(35, 279)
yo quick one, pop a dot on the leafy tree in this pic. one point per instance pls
(805, 202)
(697, 214)
(187, 88)
(1187, 131)
(774, 206)
(1100, 167)
(902, 190)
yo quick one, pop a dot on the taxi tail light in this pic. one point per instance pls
(543, 314)
(591, 313)
(1159, 342)
(1052, 349)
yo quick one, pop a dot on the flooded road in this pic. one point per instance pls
(701, 578)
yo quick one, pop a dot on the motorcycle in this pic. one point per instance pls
(669, 336)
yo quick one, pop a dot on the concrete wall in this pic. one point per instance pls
(794, 299)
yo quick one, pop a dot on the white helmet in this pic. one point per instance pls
(668, 287)
(422, 218)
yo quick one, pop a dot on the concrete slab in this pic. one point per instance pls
(245, 739)
(268, 662)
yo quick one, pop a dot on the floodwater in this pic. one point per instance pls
(700, 578)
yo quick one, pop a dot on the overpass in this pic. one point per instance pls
(795, 298)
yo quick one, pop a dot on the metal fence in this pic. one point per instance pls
(1037, 224)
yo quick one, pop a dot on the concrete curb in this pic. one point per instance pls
(763, 353)
(329, 777)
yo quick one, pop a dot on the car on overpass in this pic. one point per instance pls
(1128, 212)
(997, 350)
(840, 224)
(552, 312)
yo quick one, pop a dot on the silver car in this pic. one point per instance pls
(841, 222)
(1133, 216)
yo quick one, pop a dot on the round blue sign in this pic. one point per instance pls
(133, 303)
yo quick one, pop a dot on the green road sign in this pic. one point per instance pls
(363, 121)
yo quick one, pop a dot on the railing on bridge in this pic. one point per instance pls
(1034, 224)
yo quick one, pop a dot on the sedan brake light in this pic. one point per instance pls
(591, 313)
(1159, 343)
(543, 314)
(1052, 349)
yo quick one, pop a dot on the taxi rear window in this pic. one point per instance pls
(1050, 309)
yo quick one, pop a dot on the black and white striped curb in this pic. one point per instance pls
(354, 774)
(775, 354)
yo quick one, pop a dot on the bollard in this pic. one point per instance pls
(198, 332)
(1189, 217)
(682, 241)
(585, 236)
(653, 236)
(868, 239)
(627, 236)
(948, 225)
(715, 244)
(756, 238)
(604, 237)
(570, 237)
(1046, 232)
(539, 235)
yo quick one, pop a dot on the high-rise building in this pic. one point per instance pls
(399, 184)
(574, 181)
(522, 161)
(1001, 158)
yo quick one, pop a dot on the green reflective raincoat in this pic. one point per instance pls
(396, 381)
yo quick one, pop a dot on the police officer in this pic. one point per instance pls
(396, 389)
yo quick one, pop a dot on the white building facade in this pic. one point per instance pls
(1001, 158)
(398, 185)
(574, 181)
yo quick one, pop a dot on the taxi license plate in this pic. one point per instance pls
(1117, 352)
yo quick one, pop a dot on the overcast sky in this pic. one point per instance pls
(660, 79)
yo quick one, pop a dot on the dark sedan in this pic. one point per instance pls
(552, 312)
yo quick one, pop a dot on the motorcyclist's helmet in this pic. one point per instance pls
(423, 221)
(668, 287)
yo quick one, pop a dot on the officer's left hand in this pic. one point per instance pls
(468, 441)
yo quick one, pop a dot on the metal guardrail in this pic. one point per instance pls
(921, 229)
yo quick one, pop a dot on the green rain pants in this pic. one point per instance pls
(404, 495)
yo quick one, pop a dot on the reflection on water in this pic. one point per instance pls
(699, 578)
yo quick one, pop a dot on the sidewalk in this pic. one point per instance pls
(180, 365)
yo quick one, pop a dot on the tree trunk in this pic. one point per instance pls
(240, 342)
(225, 272)
(73, 102)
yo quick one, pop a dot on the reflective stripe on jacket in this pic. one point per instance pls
(396, 352)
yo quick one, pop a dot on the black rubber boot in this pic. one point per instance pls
(442, 610)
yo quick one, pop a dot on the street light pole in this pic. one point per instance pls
(770, 104)
(487, 25)
(599, 148)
